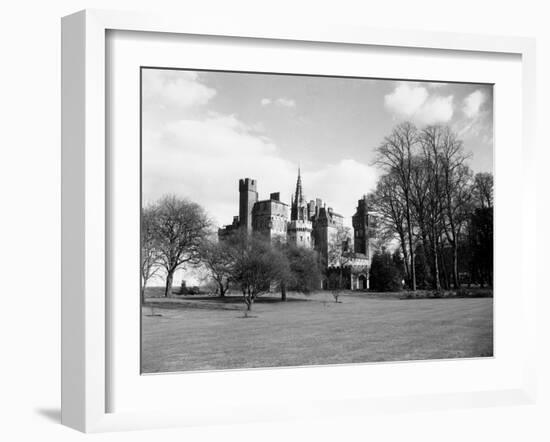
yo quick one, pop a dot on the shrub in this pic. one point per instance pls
(385, 276)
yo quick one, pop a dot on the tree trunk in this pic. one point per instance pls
(169, 280)
(426, 250)
(456, 279)
(143, 294)
(444, 273)
(437, 282)
(248, 299)
(411, 250)
(405, 258)
(222, 289)
(283, 291)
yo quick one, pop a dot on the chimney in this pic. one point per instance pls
(275, 196)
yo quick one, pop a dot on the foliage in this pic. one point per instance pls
(385, 276)
(257, 266)
(304, 270)
(186, 290)
(481, 244)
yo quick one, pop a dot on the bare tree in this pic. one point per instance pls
(456, 191)
(179, 229)
(150, 258)
(395, 154)
(387, 202)
(482, 189)
(219, 259)
(430, 139)
(420, 199)
(426, 194)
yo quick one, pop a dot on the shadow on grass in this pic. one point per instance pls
(238, 299)
(213, 302)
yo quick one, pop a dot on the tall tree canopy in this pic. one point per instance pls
(429, 200)
(180, 227)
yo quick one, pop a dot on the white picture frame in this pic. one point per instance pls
(86, 203)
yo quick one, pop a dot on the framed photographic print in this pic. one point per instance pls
(286, 200)
(291, 221)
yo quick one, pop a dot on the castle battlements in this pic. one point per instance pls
(309, 224)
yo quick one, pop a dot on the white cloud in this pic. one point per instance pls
(204, 159)
(354, 180)
(181, 89)
(413, 102)
(286, 102)
(282, 101)
(472, 103)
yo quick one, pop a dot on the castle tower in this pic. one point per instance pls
(270, 218)
(300, 226)
(326, 227)
(361, 227)
(299, 209)
(248, 196)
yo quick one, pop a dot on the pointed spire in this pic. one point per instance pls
(299, 205)
(299, 196)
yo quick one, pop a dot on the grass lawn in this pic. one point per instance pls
(203, 333)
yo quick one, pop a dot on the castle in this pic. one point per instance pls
(312, 225)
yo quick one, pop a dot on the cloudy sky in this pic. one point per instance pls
(202, 131)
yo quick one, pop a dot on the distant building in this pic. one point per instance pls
(311, 225)
(270, 218)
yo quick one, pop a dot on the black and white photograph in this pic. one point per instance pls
(275, 221)
(293, 220)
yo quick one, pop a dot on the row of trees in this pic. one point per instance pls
(177, 233)
(254, 265)
(430, 201)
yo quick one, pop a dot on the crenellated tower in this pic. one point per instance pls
(363, 226)
(248, 195)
